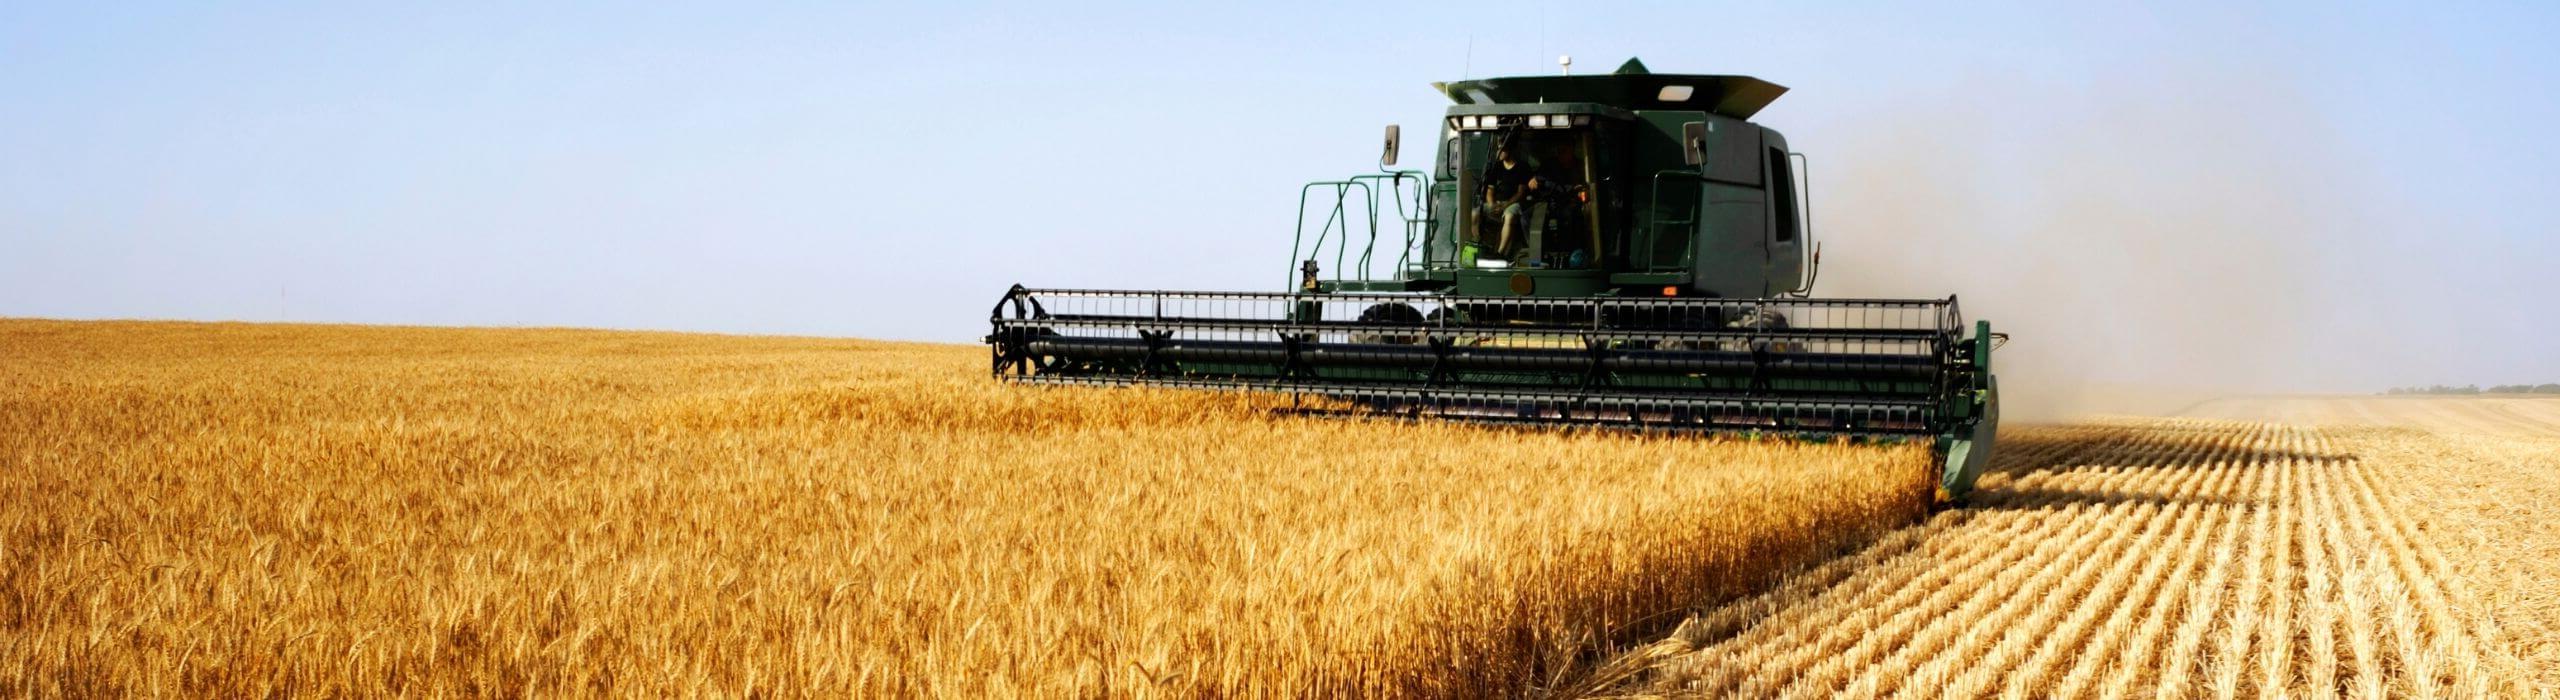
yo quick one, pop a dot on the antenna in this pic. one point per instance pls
(1469, 70)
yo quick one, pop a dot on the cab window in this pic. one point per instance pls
(1782, 194)
(1530, 209)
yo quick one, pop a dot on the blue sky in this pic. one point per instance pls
(2285, 197)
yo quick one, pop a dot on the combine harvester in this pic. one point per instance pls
(1619, 251)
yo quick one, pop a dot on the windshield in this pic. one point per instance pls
(1528, 203)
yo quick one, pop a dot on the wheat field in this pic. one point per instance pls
(2136, 559)
(240, 510)
(230, 510)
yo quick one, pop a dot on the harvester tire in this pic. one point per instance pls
(1390, 313)
(1445, 316)
(1765, 321)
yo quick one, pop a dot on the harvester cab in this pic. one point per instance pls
(1625, 250)
(1637, 185)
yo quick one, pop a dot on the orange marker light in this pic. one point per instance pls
(1671, 291)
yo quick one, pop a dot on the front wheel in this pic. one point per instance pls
(1765, 321)
(1389, 314)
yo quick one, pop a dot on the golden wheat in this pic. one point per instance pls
(238, 510)
(2139, 559)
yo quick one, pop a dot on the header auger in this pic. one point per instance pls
(1615, 251)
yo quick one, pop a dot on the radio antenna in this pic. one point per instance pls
(1469, 70)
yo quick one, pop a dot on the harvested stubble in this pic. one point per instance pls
(234, 510)
(2490, 498)
(2168, 558)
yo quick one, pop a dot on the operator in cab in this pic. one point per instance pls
(1512, 186)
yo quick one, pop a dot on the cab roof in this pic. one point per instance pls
(1631, 87)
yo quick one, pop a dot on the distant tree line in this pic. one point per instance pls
(2469, 389)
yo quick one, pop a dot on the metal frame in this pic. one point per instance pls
(1832, 366)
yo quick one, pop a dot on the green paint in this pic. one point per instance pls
(1624, 214)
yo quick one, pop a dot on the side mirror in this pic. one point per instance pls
(1395, 133)
(1693, 143)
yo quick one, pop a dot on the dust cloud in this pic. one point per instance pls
(2147, 246)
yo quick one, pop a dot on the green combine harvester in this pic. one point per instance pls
(1619, 251)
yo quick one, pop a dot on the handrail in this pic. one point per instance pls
(1341, 192)
(1805, 246)
(1410, 210)
(1413, 219)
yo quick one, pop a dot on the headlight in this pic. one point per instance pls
(1538, 121)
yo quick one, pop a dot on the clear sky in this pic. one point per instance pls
(2304, 197)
